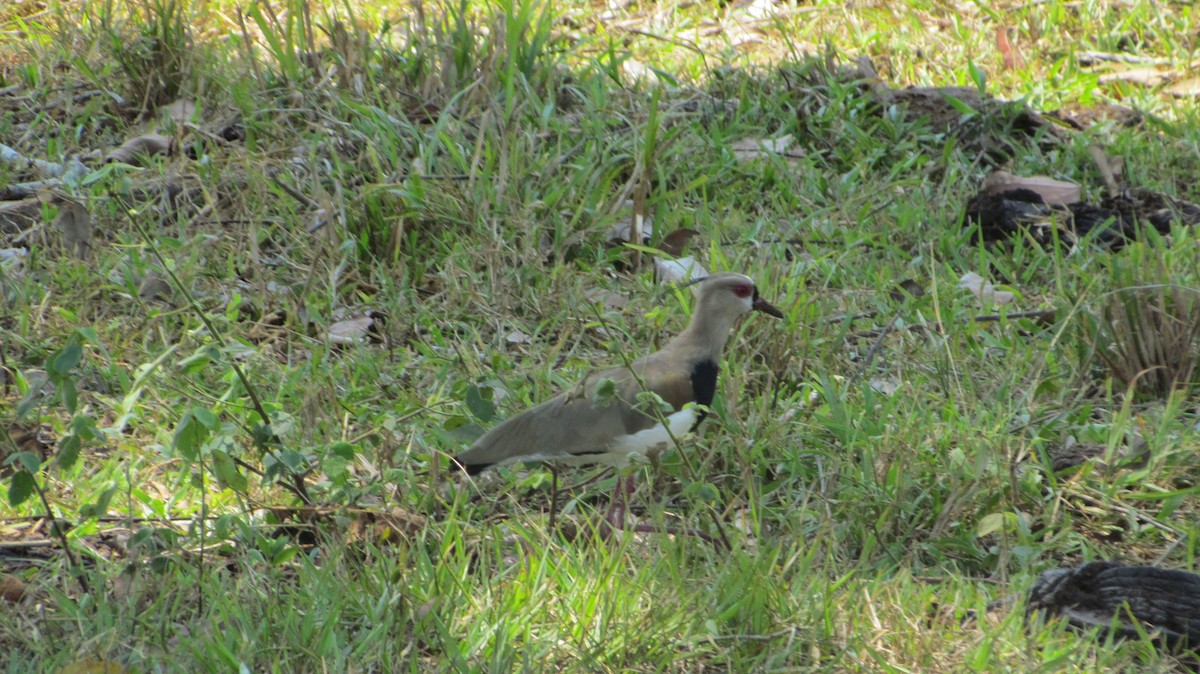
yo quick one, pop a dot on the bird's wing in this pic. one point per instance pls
(581, 422)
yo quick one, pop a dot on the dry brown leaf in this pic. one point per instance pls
(154, 287)
(1147, 77)
(384, 528)
(517, 337)
(751, 149)
(180, 111)
(17, 215)
(12, 588)
(145, 145)
(623, 228)
(680, 270)
(986, 292)
(885, 385)
(25, 438)
(609, 298)
(673, 243)
(1012, 59)
(905, 289)
(11, 260)
(636, 71)
(1189, 88)
(75, 223)
(92, 666)
(1053, 192)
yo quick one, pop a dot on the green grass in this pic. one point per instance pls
(455, 168)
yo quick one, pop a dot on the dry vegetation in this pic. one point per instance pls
(265, 266)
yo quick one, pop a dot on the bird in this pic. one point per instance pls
(1129, 601)
(606, 419)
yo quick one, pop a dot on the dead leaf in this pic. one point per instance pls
(1189, 88)
(905, 289)
(680, 270)
(269, 327)
(743, 522)
(26, 438)
(146, 145)
(12, 588)
(180, 111)
(1012, 59)
(885, 385)
(758, 10)
(517, 337)
(92, 666)
(1053, 192)
(1147, 77)
(674, 242)
(384, 528)
(623, 229)
(984, 291)
(751, 149)
(609, 298)
(154, 287)
(11, 260)
(636, 71)
(1111, 168)
(18, 215)
(75, 223)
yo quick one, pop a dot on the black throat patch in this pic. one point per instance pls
(704, 385)
(704, 381)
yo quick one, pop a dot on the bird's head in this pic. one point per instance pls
(730, 292)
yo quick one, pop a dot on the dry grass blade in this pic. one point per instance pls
(1147, 336)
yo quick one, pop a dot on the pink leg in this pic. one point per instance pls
(615, 515)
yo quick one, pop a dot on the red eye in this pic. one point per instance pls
(743, 290)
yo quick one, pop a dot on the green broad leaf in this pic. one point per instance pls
(20, 487)
(995, 522)
(605, 391)
(61, 362)
(958, 104)
(295, 461)
(343, 450)
(85, 427)
(227, 473)
(282, 423)
(190, 433)
(462, 433)
(664, 76)
(68, 451)
(285, 555)
(482, 407)
(32, 396)
(206, 417)
(336, 469)
(70, 396)
(199, 359)
(651, 401)
(978, 77)
(702, 491)
(29, 461)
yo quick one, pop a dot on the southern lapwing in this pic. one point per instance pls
(604, 419)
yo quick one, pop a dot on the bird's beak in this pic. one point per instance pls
(766, 307)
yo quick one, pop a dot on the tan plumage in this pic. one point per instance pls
(588, 425)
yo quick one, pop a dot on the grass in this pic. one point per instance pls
(455, 169)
